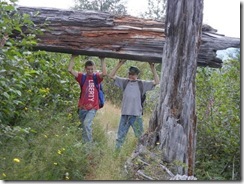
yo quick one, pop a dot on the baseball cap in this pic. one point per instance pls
(134, 70)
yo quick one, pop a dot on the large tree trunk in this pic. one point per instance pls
(125, 37)
(173, 125)
(175, 115)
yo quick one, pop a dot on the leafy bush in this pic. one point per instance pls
(14, 69)
(218, 137)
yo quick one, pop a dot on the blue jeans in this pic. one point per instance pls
(125, 122)
(86, 119)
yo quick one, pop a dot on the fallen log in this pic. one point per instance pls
(95, 33)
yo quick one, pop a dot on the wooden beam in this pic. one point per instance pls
(95, 33)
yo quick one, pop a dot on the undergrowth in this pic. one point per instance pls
(47, 146)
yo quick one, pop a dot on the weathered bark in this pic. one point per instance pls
(173, 124)
(125, 37)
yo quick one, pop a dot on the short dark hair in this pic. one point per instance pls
(89, 63)
(134, 70)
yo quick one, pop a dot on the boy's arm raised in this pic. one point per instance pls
(103, 66)
(155, 75)
(71, 66)
(115, 69)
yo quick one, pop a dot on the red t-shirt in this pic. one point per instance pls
(89, 93)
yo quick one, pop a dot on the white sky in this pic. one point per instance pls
(223, 15)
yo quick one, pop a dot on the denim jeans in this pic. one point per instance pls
(86, 119)
(125, 122)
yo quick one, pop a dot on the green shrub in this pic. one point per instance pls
(218, 134)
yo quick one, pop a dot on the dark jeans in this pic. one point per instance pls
(125, 122)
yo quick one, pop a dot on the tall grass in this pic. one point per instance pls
(47, 146)
(111, 167)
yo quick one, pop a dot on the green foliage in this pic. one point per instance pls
(46, 150)
(218, 111)
(47, 146)
(38, 81)
(14, 68)
(156, 10)
(29, 79)
(114, 7)
(39, 138)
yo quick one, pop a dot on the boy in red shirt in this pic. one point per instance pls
(88, 103)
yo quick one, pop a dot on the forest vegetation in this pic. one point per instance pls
(39, 134)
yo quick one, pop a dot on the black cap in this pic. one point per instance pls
(134, 70)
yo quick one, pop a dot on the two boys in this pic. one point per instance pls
(133, 90)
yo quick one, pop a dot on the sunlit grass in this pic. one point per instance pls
(48, 147)
(111, 167)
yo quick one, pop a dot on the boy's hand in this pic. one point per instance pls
(101, 58)
(122, 61)
(152, 65)
(74, 56)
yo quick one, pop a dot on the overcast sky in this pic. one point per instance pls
(223, 15)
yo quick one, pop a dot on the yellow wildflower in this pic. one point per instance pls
(66, 176)
(59, 152)
(16, 160)
(55, 163)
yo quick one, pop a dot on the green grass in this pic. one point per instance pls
(47, 146)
